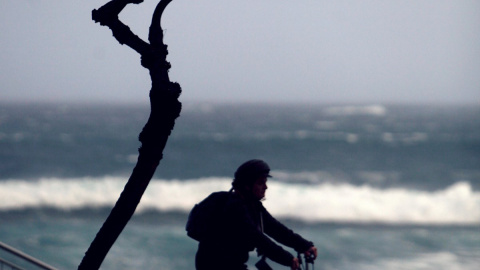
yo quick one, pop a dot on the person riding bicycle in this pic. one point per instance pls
(245, 224)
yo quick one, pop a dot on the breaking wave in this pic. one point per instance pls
(320, 202)
(373, 110)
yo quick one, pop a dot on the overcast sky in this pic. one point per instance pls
(423, 51)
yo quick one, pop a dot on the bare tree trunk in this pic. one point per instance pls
(165, 108)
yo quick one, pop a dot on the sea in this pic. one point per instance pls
(374, 186)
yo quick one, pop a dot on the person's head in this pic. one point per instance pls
(251, 178)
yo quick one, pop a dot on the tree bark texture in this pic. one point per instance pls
(165, 108)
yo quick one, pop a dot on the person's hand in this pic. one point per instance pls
(295, 264)
(312, 251)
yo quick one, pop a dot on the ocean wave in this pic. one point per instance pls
(373, 110)
(427, 261)
(320, 202)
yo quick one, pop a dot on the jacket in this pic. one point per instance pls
(240, 231)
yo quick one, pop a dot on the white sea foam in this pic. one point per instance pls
(457, 204)
(374, 110)
(426, 261)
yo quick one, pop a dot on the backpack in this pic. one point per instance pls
(205, 217)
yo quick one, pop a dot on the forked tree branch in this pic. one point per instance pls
(165, 108)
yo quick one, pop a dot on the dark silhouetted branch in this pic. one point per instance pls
(165, 108)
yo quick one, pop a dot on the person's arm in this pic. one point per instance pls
(248, 229)
(284, 235)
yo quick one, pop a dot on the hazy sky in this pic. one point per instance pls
(250, 50)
